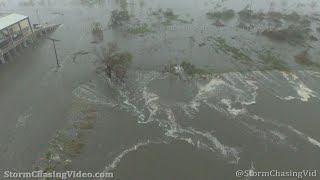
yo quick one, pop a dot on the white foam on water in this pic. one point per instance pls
(296, 131)
(89, 94)
(117, 160)
(151, 103)
(314, 74)
(231, 110)
(305, 137)
(278, 134)
(219, 93)
(242, 88)
(204, 146)
(286, 98)
(304, 92)
(172, 128)
(211, 142)
(314, 142)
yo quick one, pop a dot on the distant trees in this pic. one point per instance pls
(118, 17)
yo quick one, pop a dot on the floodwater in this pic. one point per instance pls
(155, 125)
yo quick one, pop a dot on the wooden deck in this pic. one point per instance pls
(23, 41)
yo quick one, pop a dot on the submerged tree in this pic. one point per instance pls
(114, 63)
(97, 32)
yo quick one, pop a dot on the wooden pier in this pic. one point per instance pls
(11, 49)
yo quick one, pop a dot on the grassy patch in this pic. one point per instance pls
(272, 60)
(225, 15)
(123, 59)
(67, 143)
(248, 15)
(72, 146)
(167, 22)
(169, 16)
(192, 70)
(294, 33)
(85, 124)
(88, 121)
(235, 52)
(140, 29)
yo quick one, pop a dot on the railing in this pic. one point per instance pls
(17, 40)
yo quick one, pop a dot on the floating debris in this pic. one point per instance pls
(76, 54)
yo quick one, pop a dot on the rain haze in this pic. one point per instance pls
(160, 89)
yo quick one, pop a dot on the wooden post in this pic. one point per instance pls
(30, 25)
(21, 29)
(55, 51)
(2, 58)
(10, 37)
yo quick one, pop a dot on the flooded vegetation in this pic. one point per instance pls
(198, 89)
(225, 15)
(68, 142)
(97, 32)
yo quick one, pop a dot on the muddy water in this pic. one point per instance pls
(156, 126)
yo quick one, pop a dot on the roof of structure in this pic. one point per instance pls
(11, 19)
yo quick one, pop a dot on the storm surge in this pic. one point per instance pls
(231, 94)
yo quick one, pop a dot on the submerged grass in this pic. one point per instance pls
(140, 29)
(272, 61)
(67, 143)
(225, 15)
(169, 17)
(72, 146)
(304, 58)
(235, 52)
(192, 70)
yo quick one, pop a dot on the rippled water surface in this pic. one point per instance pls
(156, 125)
